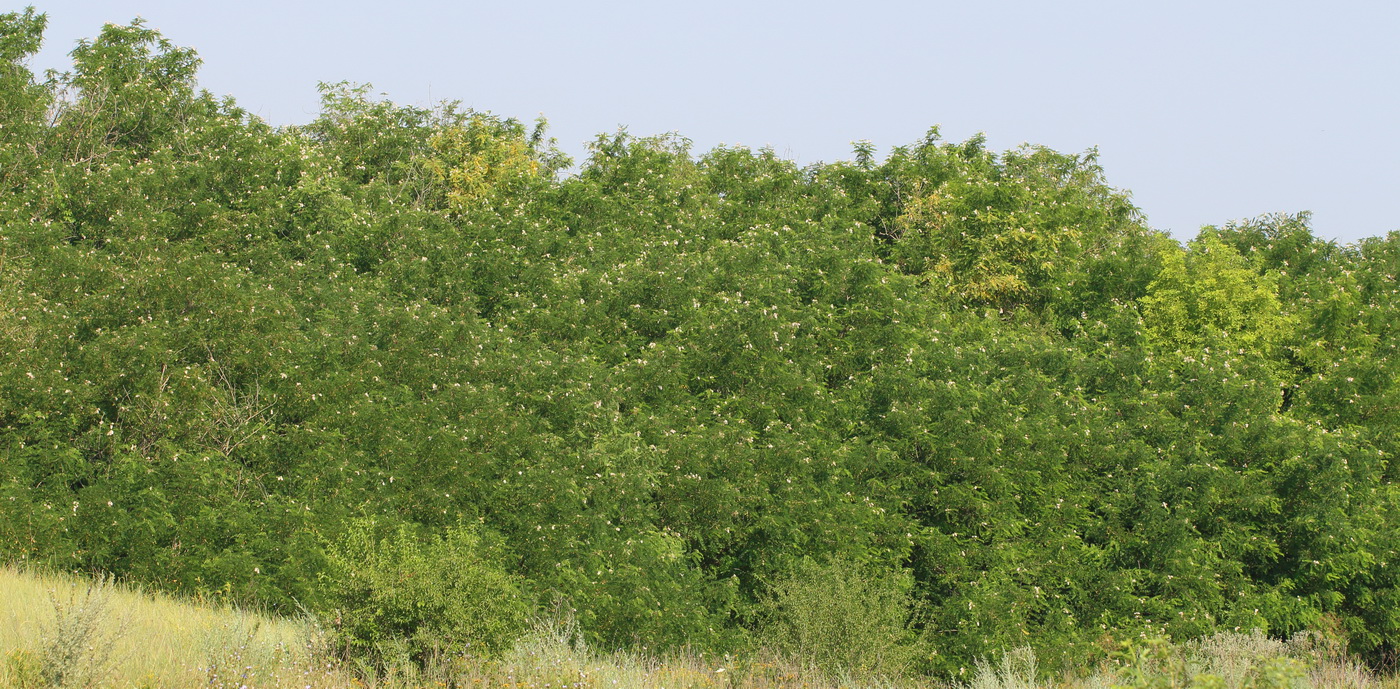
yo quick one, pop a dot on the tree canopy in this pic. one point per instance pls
(670, 390)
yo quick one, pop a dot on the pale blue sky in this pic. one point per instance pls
(1206, 111)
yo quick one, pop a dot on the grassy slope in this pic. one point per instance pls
(136, 639)
(106, 634)
(58, 629)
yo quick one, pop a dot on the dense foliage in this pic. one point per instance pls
(671, 392)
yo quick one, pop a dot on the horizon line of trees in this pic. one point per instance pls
(396, 366)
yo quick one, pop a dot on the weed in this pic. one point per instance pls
(75, 650)
(1016, 669)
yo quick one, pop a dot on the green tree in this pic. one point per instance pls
(1209, 295)
(24, 102)
(1022, 228)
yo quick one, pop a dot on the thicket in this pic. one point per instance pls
(670, 392)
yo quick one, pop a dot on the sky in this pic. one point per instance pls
(1207, 112)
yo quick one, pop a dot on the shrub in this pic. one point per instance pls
(1018, 668)
(76, 649)
(392, 592)
(843, 618)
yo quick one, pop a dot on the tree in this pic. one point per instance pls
(1209, 295)
(1031, 227)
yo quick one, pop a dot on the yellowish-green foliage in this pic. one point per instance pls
(993, 271)
(1209, 294)
(1011, 229)
(478, 156)
(442, 596)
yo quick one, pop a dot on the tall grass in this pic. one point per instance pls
(60, 631)
(1227, 660)
(107, 634)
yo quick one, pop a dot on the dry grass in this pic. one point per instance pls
(60, 631)
(1228, 660)
(138, 639)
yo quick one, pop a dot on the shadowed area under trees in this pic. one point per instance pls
(698, 399)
